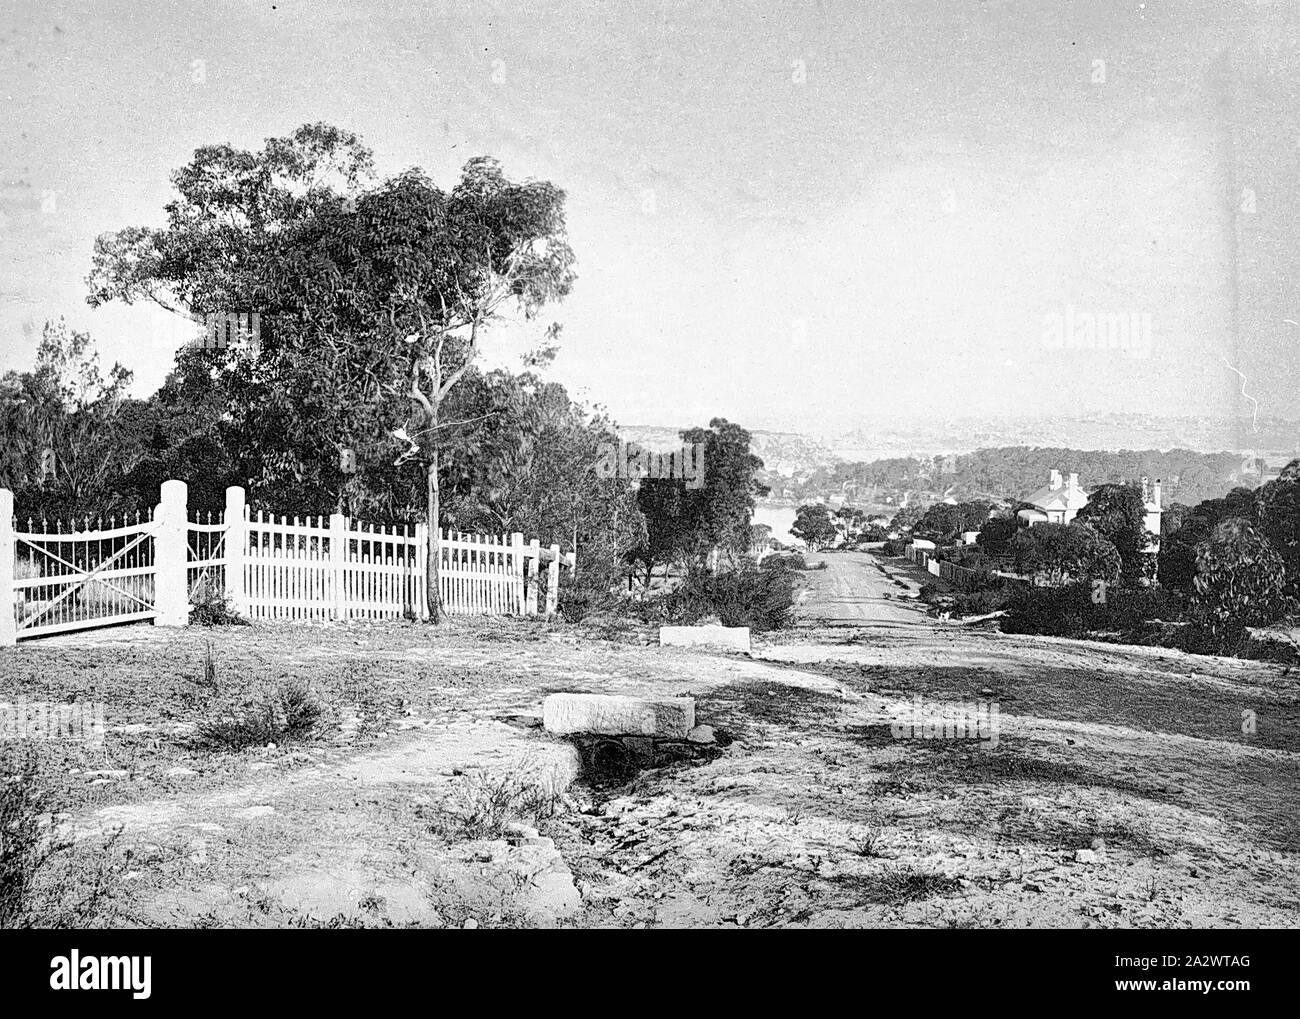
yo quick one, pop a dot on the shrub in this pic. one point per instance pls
(1199, 639)
(981, 602)
(745, 596)
(210, 607)
(581, 598)
(785, 560)
(1240, 581)
(1076, 610)
(1049, 611)
(288, 712)
(894, 547)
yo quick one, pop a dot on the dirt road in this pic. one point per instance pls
(857, 588)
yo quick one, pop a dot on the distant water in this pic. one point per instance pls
(780, 519)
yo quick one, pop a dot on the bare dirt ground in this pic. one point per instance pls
(811, 814)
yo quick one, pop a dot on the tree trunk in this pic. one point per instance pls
(434, 551)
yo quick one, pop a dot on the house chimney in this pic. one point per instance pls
(1074, 482)
(1156, 495)
(1146, 489)
(1056, 480)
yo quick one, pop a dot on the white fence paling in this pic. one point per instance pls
(344, 569)
(297, 569)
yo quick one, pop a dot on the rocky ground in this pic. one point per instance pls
(1121, 790)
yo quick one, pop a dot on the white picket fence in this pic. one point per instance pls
(289, 569)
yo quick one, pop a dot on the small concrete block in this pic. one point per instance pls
(731, 638)
(567, 714)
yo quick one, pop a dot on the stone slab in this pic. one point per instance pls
(567, 714)
(732, 638)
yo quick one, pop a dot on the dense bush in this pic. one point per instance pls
(995, 536)
(1240, 581)
(982, 602)
(1076, 610)
(1049, 611)
(966, 603)
(895, 547)
(746, 596)
(785, 561)
(585, 596)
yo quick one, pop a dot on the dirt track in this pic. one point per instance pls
(859, 588)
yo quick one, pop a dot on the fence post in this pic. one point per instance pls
(338, 562)
(236, 549)
(8, 623)
(553, 582)
(535, 554)
(170, 548)
(517, 563)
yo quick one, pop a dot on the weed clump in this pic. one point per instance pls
(286, 713)
(485, 805)
(41, 884)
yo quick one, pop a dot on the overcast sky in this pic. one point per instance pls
(782, 210)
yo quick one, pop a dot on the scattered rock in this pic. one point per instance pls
(180, 772)
(261, 810)
(702, 734)
(730, 638)
(1085, 856)
(521, 832)
(470, 924)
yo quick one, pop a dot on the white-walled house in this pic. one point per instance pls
(1057, 502)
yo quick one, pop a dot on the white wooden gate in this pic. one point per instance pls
(205, 559)
(76, 579)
